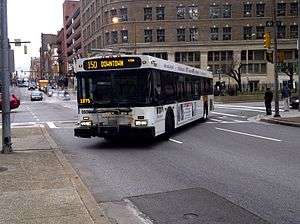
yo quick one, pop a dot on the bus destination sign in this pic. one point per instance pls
(112, 63)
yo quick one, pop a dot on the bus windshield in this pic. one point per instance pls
(119, 88)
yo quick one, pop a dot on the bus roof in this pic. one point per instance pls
(113, 62)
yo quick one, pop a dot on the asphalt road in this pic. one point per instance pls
(230, 169)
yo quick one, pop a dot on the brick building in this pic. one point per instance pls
(211, 34)
(48, 57)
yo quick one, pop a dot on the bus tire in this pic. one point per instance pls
(169, 123)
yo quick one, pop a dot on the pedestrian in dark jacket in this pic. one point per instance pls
(268, 101)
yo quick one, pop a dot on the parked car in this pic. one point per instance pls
(294, 102)
(36, 95)
(14, 102)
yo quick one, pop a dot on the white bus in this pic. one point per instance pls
(139, 95)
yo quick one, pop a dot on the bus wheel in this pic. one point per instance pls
(169, 123)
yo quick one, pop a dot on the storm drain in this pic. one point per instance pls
(2, 169)
(190, 216)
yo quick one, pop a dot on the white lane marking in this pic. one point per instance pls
(251, 135)
(217, 120)
(173, 140)
(229, 115)
(228, 106)
(51, 125)
(245, 109)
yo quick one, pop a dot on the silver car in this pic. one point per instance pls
(36, 95)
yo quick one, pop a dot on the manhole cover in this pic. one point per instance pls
(2, 169)
(190, 216)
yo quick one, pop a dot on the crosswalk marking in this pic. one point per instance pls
(51, 125)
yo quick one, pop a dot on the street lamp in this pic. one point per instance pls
(116, 20)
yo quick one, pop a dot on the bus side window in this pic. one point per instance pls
(156, 86)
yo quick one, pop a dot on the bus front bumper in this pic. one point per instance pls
(108, 131)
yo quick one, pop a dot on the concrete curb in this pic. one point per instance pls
(95, 211)
(273, 121)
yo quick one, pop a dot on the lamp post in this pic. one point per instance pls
(4, 71)
(116, 20)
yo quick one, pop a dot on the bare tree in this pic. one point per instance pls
(234, 71)
(288, 69)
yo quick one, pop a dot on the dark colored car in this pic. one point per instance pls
(294, 102)
(14, 102)
(36, 95)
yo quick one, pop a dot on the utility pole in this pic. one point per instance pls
(276, 98)
(4, 72)
(298, 45)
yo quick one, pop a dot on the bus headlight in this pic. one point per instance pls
(141, 122)
(86, 123)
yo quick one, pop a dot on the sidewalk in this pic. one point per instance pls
(290, 118)
(38, 185)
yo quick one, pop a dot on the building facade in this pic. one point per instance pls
(49, 57)
(35, 70)
(211, 34)
(71, 42)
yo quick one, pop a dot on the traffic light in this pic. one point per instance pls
(25, 49)
(269, 56)
(267, 40)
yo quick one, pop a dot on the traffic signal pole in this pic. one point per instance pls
(276, 83)
(4, 72)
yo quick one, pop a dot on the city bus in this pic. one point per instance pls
(139, 95)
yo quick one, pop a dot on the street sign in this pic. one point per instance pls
(17, 42)
(269, 24)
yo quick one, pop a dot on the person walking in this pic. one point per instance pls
(268, 101)
(285, 94)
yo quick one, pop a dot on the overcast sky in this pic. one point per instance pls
(27, 19)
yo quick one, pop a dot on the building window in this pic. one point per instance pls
(194, 35)
(260, 10)
(226, 11)
(107, 38)
(106, 17)
(114, 37)
(260, 30)
(113, 13)
(180, 12)
(281, 8)
(181, 34)
(160, 35)
(247, 32)
(160, 13)
(294, 31)
(193, 12)
(294, 9)
(247, 10)
(124, 36)
(193, 56)
(281, 32)
(147, 14)
(148, 36)
(214, 11)
(162, 55)
(226, 33)
(123, 14)
(214, 33)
